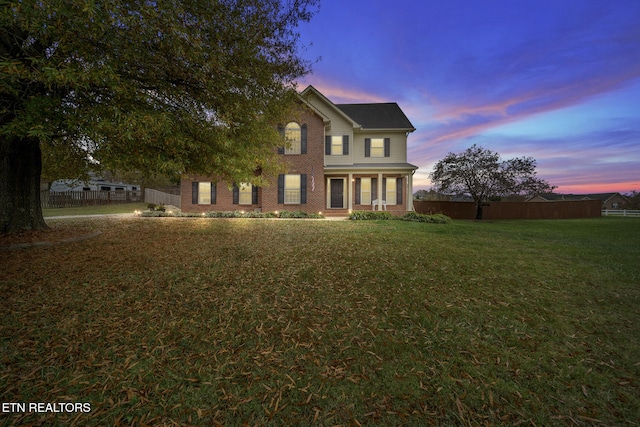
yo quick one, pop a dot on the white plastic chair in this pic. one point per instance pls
(374, 204)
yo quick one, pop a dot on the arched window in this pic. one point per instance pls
(293, 137)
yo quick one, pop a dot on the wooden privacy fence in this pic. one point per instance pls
(75, 199)
(513, 210)
(161, 198)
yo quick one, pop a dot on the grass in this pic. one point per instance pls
(95, 210)
(168, 321)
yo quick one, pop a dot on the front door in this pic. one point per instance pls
(337, 196)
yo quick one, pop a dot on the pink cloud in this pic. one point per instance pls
(623, 187)
(468, 117)
(343, 94)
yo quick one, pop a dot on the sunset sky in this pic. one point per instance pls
(555, 80)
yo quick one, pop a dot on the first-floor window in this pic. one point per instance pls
(365, 191)
(204, 193)
(245, 194)
(292, 189)
(391, 191)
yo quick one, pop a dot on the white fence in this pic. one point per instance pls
(620, 212)
(160, 198)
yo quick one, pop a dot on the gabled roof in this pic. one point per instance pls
(367, 116)
(378, 116)
(310, 90)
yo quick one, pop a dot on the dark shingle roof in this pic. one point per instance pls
(377, 116)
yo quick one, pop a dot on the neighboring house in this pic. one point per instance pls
(342, 157)
(609, 200)
(94, 184)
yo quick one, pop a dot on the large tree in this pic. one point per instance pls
(481, 174)
(163, 86)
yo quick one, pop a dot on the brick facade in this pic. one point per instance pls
(310, 164)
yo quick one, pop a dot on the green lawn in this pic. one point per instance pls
(95, 210)
(170, 321)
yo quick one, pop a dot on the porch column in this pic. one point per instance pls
(349, 190)
(410, 192)
(380, 195)
(327, 193)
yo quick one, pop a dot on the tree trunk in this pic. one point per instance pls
(20, 168)
(478, 210)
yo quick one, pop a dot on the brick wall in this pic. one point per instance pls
(224, 197)
(311, 164)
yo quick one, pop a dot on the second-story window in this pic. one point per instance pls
(336, 145)
(377, 147)
(293, 137)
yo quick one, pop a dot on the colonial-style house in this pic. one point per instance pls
(341, 157)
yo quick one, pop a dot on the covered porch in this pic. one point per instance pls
(369, 187)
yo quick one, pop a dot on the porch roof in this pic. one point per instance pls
(359, 167)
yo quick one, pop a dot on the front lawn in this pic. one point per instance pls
(185, 321)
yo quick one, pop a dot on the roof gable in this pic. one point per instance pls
(312, 91)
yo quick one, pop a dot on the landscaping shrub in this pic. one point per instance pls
(432, 219)
(370, 215)
(298, 214)
(409, 216)
(232, 214)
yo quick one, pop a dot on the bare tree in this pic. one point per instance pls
(481, 174)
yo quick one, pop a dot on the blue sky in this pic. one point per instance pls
(555, 80)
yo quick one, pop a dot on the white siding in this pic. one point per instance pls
(398, 147)
(339, 126)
